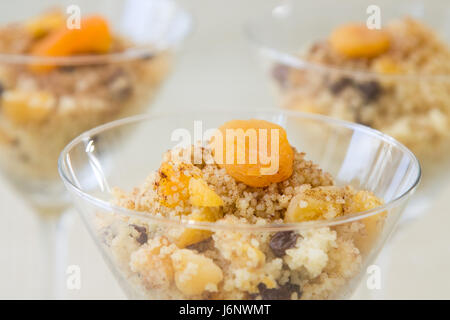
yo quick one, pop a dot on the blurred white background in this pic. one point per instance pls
(218, 69)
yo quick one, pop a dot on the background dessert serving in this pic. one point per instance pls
(394, 79)
(45, 103)
(399, 86)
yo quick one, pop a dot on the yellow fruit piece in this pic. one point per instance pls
(270, 283)
(45, 23)
(363, 201)
(173, 186)
(355, 40)
(201, 195)
(314, 204)
(27, 107)
(191, 235)
(195, 273)
(387, 66)
(256, 257)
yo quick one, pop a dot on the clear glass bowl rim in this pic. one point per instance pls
(297, 62)
(243, 227)
(133, 53)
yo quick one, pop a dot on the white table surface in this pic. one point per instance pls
(218, 70)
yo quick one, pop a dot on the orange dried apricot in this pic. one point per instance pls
(93, 37)
(173, 186)
(355, 40)
(246, 150)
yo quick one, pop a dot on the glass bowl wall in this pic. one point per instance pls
(43, 109)
(107, 157)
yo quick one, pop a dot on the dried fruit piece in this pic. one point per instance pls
(93, 37)
(315, 204)
(355, 40)
(142, 231)
(283, 292)
(363, 201)
(202, 246)
(340, 85)
(386, 65)
(281, 241)
(191, 236)
(257, 257)
(173, 185)
(370, 90)
(45, 23)
(201, 195)
(27, 107)
(195, 273)
(246, 150)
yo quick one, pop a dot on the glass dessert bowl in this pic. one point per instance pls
(58, 80)
(395, 79)
(202, 226)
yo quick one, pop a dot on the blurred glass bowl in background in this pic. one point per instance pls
(47, 101)
(404, 92)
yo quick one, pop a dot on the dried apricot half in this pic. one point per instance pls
(255, 152)
(173, 185)
(355, 40)
(94, 36)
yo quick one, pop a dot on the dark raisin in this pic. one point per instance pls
(67, 69)
(147, 56)
(370, 90)
(201, 246)
(142, 238)
(281, 241)
(341, 84)
(120, 85)
(124, 93)
(280, 74)
(283, 292)
(24, 157)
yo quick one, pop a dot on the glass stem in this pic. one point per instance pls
(54, 238)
